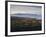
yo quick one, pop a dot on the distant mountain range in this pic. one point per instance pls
(27, 16)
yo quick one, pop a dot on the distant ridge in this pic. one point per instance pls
(27, 16)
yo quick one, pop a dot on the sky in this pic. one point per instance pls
(26, 11)
(19, 9)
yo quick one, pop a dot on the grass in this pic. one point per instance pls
(25, 25)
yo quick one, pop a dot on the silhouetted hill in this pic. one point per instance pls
(27, 16)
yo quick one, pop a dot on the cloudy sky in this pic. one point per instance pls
(15, 9)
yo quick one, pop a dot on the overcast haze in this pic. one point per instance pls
(15, 9)
(26, 11)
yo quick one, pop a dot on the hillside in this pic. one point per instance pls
(25, 24)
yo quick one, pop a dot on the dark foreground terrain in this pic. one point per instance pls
(25, 24)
